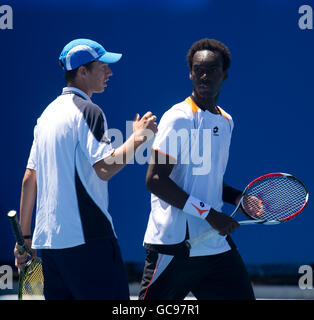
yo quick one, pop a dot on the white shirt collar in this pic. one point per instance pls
(74, 90)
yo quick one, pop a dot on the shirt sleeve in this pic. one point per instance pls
(32, 161)
(93, 134)
(173, 132)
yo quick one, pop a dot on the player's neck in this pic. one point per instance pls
(206, 103)
(80, 85)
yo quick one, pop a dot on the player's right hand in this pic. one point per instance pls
(146, 127)
(221, 222)
(21, 259)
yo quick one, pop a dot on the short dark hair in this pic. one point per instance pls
(71, 74)
(212, 45)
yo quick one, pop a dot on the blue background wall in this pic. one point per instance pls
(269, 94)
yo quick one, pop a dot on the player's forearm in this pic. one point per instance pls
(167, 190)
(121, 156)
(230, 194)
(125, 153)
(28, 196)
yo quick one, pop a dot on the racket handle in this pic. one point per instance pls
(208, 234)
(202, 237)
(12, 215)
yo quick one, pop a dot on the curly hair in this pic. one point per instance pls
(212, 45)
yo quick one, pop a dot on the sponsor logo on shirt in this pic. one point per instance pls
(215, 131)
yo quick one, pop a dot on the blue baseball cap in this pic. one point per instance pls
(82, 51)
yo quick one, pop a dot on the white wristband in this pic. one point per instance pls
(196, 207)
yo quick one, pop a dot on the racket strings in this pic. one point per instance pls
(274, 198)
(33, 282)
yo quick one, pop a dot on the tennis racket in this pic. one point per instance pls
(31, 280)
(270, 199)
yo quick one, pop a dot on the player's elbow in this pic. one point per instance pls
(102, 171)
(152, 183)
(104, 176)
(29, 179)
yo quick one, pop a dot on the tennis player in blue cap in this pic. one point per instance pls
(70, 162)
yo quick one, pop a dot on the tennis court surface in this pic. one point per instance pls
(262, 292)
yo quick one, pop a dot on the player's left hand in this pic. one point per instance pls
(253, 206)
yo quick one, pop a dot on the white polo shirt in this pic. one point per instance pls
(72, 202)
(199, 141)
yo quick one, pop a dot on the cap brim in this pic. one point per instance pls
(110, 57)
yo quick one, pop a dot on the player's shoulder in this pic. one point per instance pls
(225, 113)
(180, 110)
(176, 117)
(86, 106)
(227, 116)
(88, 110)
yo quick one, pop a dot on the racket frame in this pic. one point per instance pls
(253, 220)
(276, 174)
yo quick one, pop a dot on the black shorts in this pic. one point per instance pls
(94, 270)
(215, 277)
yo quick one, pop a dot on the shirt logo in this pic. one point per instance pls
(200, 211)
(215, 131)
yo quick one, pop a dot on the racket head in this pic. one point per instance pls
(274, 198)
(31, 281)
